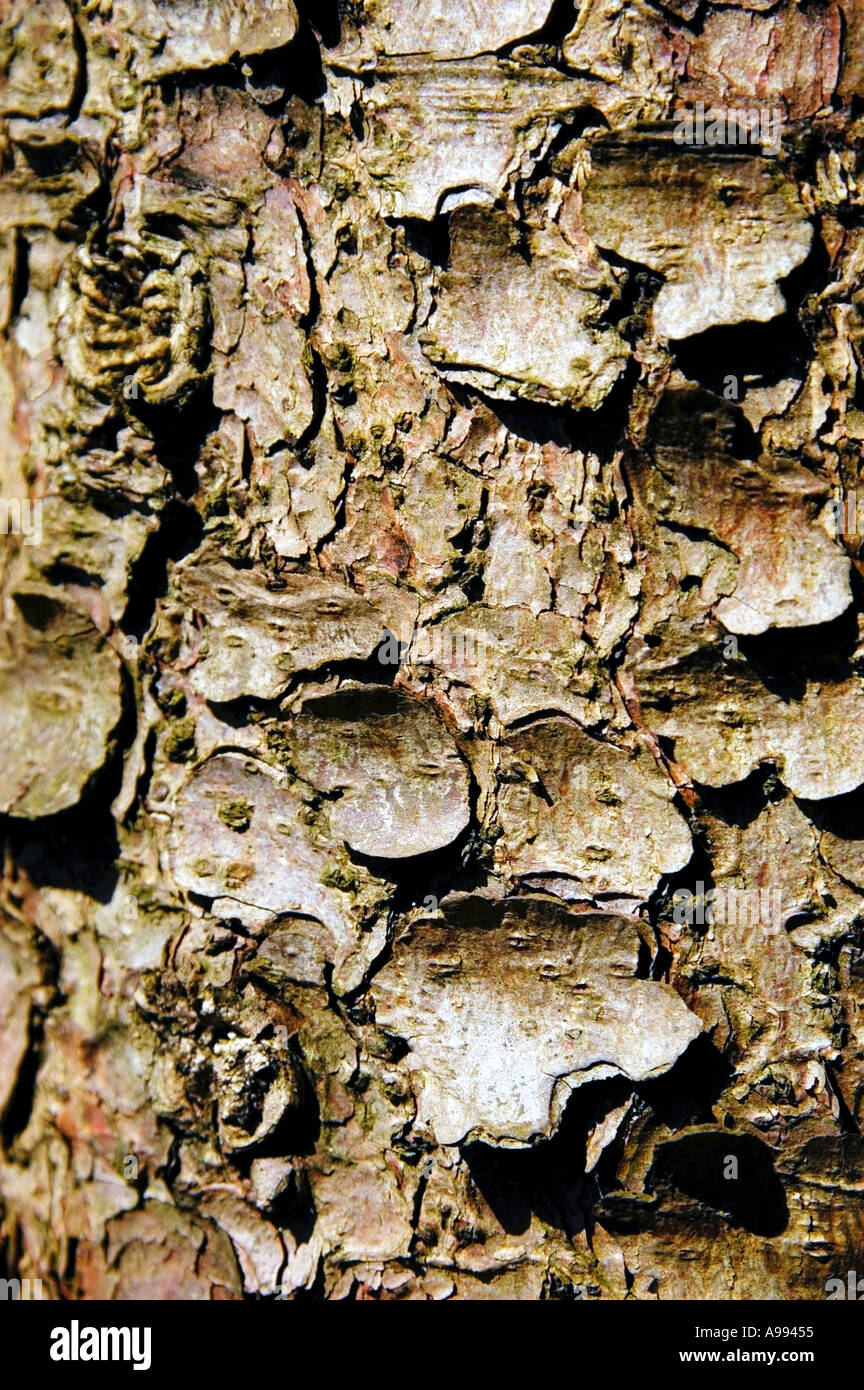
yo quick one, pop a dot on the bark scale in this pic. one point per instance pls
(431, 680)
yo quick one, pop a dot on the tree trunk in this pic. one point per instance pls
(432, 655)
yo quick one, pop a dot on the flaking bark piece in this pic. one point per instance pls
(60, 702)
(402, 787)
(264, 379)
(518, 327)
(778, 854)
(754, 971)
(257, 637)
(241, 831)
(520, 663)
(29, 199)
(100, 548)
(159, 1252)
(633, 50)
(440, 28)
(788, 59)
(181, 35)
(508, 1008)
(723, 722)
(722, 230)
(845, 855)
(791, 573)
(588, 810)
(460, 128)
(38, 58)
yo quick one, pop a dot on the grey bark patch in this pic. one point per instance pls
(275, 865)
(726, 722)
(418, 107)
(721, 231)
(769, 512)
(402, 786)
(589, 811)
(258, 637)
(519, 324)
(60, 702)
(504, 1020)
(443, 29)
(183, 34)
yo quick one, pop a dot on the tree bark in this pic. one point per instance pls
(432, 787)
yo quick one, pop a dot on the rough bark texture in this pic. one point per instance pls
(436, 467)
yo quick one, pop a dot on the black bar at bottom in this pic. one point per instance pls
(218, 1340)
